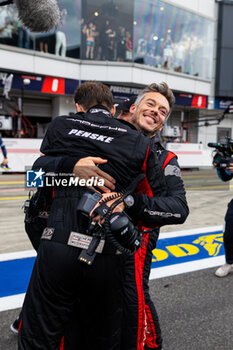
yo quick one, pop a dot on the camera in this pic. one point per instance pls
(88, 202)
(124, 231)
(117, 228)
(223, 153)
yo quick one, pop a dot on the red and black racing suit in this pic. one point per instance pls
(59, 279)
(141, 328)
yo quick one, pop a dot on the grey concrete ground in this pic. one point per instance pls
(12, 197)
(195, 309)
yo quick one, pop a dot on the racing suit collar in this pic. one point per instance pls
(98, 109)
(127, 123)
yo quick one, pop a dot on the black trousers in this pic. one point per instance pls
(137, 334)
(59, 282)
(228, 233)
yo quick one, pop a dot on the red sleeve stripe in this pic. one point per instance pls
(62, 344)
(144, 186)
(169, 157)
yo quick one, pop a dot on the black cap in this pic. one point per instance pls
(126, 104)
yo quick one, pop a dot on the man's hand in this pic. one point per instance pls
(119, 208)
(216, 166)
(230, 168)
(86, 169)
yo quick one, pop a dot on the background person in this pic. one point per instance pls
(3, 23)
(60, 46)
(6, 31)
(121, 44)
(91, 33)
(23, 35)
(4, 163)
(129, 48)
(124, 107)
(226, 175)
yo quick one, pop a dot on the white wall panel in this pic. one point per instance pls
(52, 66)
(207, 8)
(203, 7)
(145, 77)
(13, 59)
(187, 4)
(202, 88)
(182, 83)
(62, 105)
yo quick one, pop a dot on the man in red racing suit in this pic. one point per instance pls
(142, 329)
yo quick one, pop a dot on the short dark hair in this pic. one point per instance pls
(93, 93)
(162, 88)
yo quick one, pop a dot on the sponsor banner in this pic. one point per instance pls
(182, 99)
(53, 85)
(199, 101)
(15, 275)
(222, 103)
(177, 250)
(44, 84)
(62, 86)
(123, 92)
(191, 100)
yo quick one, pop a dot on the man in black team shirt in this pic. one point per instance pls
(59, 279)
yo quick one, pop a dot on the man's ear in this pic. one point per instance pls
(79, 108)
(113, 110)
(133, 108)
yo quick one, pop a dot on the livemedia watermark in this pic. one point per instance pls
(38, 178)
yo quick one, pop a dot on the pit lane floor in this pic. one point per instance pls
(195, 308)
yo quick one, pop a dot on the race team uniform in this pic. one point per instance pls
(142, 329)
(59, 279)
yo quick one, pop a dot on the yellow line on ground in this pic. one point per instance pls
(209, 187)
(198, 176)
(11, 182)
(11, 198)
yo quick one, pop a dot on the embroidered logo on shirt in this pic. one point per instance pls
(172, 170)
(48, 233)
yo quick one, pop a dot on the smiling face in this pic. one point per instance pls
(150, 114)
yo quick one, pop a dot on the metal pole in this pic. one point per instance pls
(20, 107)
